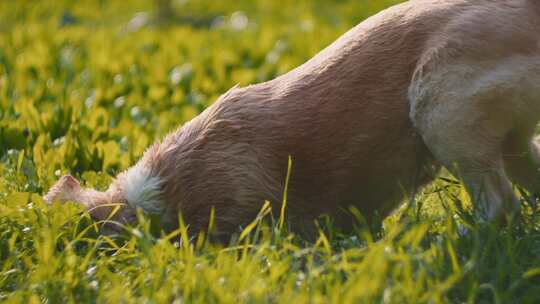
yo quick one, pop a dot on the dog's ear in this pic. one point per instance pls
(66, 189)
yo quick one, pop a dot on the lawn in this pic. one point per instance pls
(86, 86)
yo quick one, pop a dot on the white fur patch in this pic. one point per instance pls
(143, 190)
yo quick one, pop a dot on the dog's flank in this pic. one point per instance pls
(366, 121)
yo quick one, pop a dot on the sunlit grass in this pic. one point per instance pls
(82, 92)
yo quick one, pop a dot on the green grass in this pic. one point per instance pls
(82, 90)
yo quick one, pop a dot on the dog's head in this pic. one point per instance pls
(109, 207)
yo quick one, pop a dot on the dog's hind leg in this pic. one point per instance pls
(476, 158)
(464, 119)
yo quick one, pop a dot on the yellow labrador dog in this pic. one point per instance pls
(424, 84)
